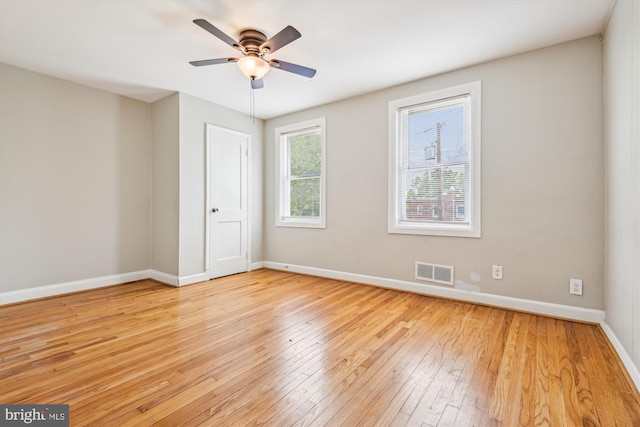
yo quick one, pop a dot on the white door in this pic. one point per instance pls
(227, 159)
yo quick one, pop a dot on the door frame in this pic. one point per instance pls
(209, 128)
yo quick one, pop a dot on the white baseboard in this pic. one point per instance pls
(177, 281)
(256, 265)
(21, 295)
(166, 278)
(634, 373)
(519, 304)
(11, 297)
(194, 278)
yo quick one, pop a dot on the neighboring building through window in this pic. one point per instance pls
(434, 163)
(300, 171)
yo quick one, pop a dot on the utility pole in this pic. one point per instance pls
(439, 170)
(430, 155)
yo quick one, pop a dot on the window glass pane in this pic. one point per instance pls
(300, 166)
(305, 151)
(436, 136)
(434, 161)
(436, 194)
(305, 197)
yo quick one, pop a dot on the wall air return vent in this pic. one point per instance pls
(442, 274)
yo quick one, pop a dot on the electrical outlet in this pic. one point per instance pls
(575, 286)
(496, 272)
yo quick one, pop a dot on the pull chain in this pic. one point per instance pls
(252, 106)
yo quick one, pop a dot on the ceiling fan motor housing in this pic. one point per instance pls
(251, 40)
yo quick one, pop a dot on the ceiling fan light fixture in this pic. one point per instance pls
(253, 67)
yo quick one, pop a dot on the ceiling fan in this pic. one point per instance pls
(254, 46)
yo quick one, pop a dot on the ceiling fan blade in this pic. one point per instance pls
(257, 84)
(207, 26)
(293, 68)
(212, 61)
(283, 38)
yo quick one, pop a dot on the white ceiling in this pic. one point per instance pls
(141, 48)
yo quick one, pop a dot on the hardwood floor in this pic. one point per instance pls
(276, 348)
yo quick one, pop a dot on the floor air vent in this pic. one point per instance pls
(442, 274)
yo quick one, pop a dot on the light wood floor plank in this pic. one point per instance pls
(275, 348)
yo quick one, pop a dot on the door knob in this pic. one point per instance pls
(214, 210)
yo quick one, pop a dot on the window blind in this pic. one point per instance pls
(434, 161)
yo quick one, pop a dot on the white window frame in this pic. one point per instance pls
(473, 228)
(282, 209)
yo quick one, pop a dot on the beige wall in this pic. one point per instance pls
(542, 182)
(75, 176)
(165, 184)
(622, 137)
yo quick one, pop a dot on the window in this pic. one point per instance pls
(434, 160)
(300, 169)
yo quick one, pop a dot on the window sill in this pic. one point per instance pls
(447, 230)
(301, 223)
